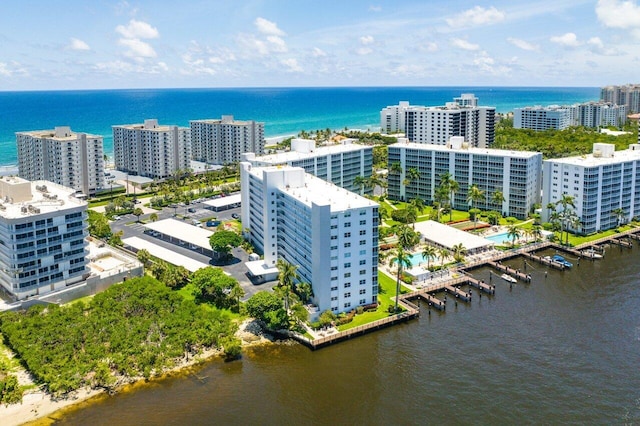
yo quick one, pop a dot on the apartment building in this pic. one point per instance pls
(599, 183)
(588, 114)
(223, 141)
(542, 118)
(74, 160)
(43, 230)
(627, 95)
(517, 174)
(330, 233)
(339, 163)
(436, 125)
(151, 150)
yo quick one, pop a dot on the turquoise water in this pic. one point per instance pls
(285, 111)
(416, 259)
(499, 238)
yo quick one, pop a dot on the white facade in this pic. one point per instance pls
(514, 173)
(151, 150)
(223, 141)
(392, 118)
(599, 183)
(596, 114)
(43, 230)
(628, 95)
(338, 164)
(331, 234)
(74, 160)
(542, 118)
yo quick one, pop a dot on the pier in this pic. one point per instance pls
(515, 273)
(482, 286)
(543, 261)
(458, 294)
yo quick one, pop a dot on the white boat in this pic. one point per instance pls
(508, 278)
(591, 254)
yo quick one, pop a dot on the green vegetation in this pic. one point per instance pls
(137, 328)
(222, 242)
(558, 143)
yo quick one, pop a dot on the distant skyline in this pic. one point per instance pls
(78, 44)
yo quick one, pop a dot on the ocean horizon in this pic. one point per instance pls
(284, 110)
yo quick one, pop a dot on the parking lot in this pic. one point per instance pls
(194, 214)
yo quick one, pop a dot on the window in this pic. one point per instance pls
(334, 298)
(363, 271)
(347, 265)
(347, 305)
(363, 282)
(363, 291)
(347, 234)
(347, 245)
(363, 242)
(347, 274)
(363, 222)
(347, 294)
(347, 285)
(363, 262)
(347, 224)
(334, 288)
(363, 232)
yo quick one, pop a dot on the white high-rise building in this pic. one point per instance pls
(542, 118)
(74, 160)
(436, 125)
(628, 95)
(516, 174)
(392, 118)
(151, 150)
(597, 114)
(43, 230)
(330, 233)
(599, 183)
(339, 164)
(223, 141)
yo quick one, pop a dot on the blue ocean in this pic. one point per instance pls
(285, 111)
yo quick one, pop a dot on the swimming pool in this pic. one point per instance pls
(416, 259)
(499, 238)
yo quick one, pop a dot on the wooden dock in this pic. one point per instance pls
(482, 286)
(516, 273)
(542, 260)
(622, 243)
(457, 293)
(433, 301)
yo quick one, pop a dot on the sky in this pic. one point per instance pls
(102, 44)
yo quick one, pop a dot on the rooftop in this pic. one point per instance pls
(60, 133)
(20, 197)
(470, 150)
(591, 160)
(448, 236)
(294, 155)
(182, 231)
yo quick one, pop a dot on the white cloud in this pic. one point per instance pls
(566, 40)
(277, 44)
(618, 14)
(597, 46)
(522, 44)
(137, 29)
(137, 48)
(292, 65)
(476, 16)
(428, 47)
(364, 51)
(77, 44)
(464, 44)
(375, 8)
(4, 70)
(268, 28)
(317, 52)
(365, 40)
(488, 65)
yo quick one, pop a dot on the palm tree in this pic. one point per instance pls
(442, 254)
(236, 293)
(536, 232)
(418, 205)
(497, 198)
(407, 237)
(459, 252)
(360, 182)
(454, 187)
(475, 194)
(403, 260)
(286, 276)
(412, 175)
(396, 168)
(137, 212)
(153, 217)
(428, 253)
(513, 233)
(619, 214)
(440, 196)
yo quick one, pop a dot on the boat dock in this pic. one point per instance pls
(482, 286)
(457, 293)
(622, 243)
(544, 261)
(515, 273)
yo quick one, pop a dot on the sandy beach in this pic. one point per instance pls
(38, 405)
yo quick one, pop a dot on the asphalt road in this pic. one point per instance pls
(131, 228)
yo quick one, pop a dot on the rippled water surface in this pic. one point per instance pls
(562, 350)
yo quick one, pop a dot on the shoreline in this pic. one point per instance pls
(41, 408)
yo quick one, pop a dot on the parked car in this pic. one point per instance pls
(191, 210)
(235, 215)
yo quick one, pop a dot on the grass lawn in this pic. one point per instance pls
(187, 293)
(386, 290)
(575, 240)
(85, 299)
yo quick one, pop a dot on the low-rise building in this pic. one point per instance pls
(329, 233)
(43, 230)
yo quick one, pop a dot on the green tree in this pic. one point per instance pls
(536, 232)
(361, 183)
(144, 257)
(402, 260)
(620, 215)
(222, 242)
(261, 303)
(304, 291)
(443, 253)
(116, 239)
(459, 251)
(454, 187)
(214, 286)
(428, 253)
(98, 224)
(514, 233)
(137, 212)
(153, 217)
(475, 194)
(497, 198)
(287, 276)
